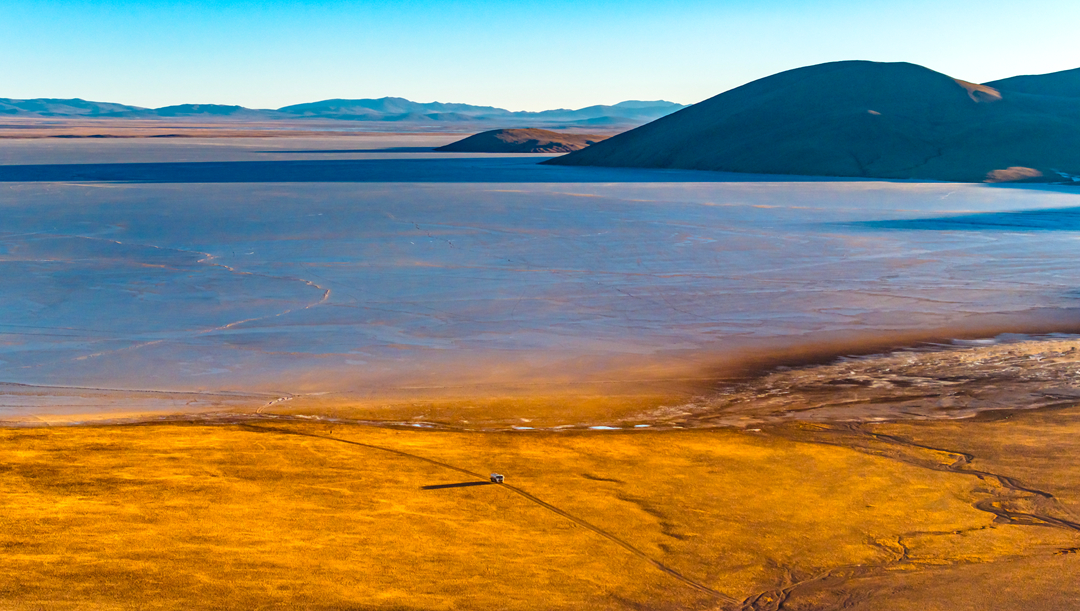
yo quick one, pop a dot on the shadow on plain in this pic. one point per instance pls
(392, 149)
(458, 485)
(425, 170)
(1059, 219)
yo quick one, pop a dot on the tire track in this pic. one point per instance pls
(625, 545)
(525, 495)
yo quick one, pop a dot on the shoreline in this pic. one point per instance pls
(960, 379)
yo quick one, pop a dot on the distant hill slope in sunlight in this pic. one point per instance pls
(1062, 84)
(862, 119)
(521, 141)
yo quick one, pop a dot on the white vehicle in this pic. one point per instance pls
(496, 478)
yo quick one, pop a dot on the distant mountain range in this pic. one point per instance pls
(382, 109)
(870, 120)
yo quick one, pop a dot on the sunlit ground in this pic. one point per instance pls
(273, 514)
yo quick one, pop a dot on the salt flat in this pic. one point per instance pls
(360, 266)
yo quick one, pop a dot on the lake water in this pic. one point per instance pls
(271, 265)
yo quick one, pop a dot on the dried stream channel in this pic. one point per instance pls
(961, 380)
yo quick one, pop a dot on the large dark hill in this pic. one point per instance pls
(521, 141)
(859, 119)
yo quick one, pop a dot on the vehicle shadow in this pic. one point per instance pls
(458, 485)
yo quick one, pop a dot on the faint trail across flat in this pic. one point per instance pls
(532, 499)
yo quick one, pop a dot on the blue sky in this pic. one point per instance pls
(518, 55)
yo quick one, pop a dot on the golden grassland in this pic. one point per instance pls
(1040, 448)
(286, 514)
(1032, 567)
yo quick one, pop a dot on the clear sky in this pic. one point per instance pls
(522, 55)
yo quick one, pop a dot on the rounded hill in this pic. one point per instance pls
(522, 141)
(859, 119)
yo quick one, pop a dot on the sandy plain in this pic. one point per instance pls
(303, 374)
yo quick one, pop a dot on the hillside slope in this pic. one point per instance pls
(1061, 84)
